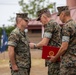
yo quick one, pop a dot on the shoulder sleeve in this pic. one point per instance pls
(66, 33)
(13, 39)
(48, 30)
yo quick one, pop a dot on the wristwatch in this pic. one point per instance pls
(35, 47)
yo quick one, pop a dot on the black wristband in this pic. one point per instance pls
(35, 46)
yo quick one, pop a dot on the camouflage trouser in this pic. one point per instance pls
(21, 72)
(54, 68)
(67, 70)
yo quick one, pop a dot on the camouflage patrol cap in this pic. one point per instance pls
(42, 11)
(23, 16)
(62, 8)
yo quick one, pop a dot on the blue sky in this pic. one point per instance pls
(10, 7)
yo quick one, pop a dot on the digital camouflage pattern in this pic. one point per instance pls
(62, 8)
(20, 41)
(42, 11)
(21, 72)
(68, 62)
(23, 16)
(53, 28)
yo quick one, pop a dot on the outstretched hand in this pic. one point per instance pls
(31, 45)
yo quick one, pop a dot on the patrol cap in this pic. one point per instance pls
(23, 16)
(62, 8)
(42, 11)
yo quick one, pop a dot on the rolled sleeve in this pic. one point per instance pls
(65, 39)
(13, 40)
(47, 35)
(11, 43)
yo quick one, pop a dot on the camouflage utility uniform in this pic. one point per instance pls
(52, 31)
(68, 62)
(19, 40)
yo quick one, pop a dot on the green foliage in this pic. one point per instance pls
(32, 6)
(0, 30)
(7, 29)
(50, 6)
(12, 19)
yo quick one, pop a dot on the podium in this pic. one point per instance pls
(48, 51)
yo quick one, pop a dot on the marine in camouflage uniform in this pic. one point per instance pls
(52, 28)
(51, 38)
(68, 63)
(19, 40)
(68, 60)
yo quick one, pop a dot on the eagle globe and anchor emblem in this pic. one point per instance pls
(51, 53)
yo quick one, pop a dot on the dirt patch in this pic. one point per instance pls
(38, 64)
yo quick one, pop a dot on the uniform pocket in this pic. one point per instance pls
(24, 41)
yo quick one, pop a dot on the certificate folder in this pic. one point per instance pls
(48, 51)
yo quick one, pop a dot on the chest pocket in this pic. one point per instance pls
(24, 40)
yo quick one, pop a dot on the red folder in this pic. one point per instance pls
(48, 51)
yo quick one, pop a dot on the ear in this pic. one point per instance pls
(63, 13)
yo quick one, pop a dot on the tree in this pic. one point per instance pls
(32, 6)
(8, 31)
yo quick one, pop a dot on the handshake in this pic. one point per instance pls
(33, 45)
